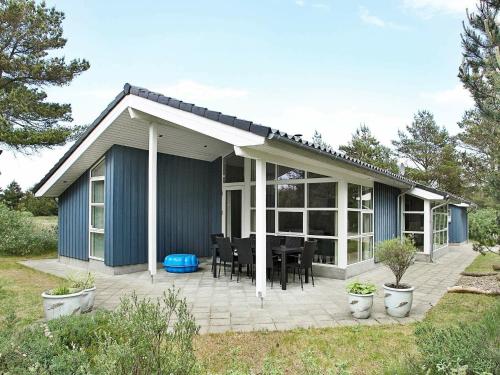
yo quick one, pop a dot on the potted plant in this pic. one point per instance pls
(61, 301)
(87, 284)
(398, 254)
(361, 299)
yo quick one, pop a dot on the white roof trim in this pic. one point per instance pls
(214, 129)
(424, 194)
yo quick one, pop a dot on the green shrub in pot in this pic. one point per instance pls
(361, 298)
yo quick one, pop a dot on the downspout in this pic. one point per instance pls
(447, 200)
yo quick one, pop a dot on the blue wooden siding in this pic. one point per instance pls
(74, 220)
(385, 210)
(126, 206)
(458, 227)
(189, 205)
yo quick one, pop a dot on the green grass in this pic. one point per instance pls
(45, 221)
(483, 263)
(365, 349)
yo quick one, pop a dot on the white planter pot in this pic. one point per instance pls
(398, 301)
(57, 306)
(361, 305)
(87, 299)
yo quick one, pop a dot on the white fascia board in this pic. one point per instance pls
(298, 160)
(214, 129)
(91, 138)
(424, 194)
(133, 104)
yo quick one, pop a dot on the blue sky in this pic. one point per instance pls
(296, 65)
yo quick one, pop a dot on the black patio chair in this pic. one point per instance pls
(272, 260)
(213, 244)
(305, 261)
(225, 254)
(245, 256)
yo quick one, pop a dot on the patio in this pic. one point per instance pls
(220, 304)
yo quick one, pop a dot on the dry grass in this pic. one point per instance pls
(20, 289)
(45, 221)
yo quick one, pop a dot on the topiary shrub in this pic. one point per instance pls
(20, 236)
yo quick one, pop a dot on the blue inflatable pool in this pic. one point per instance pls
(181, 263)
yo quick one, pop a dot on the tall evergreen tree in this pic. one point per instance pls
(431, 152)
(480, 74)
(12, 195)
(30, 35)
(317, 140)
(365, 147)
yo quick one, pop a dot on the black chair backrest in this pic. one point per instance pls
(213, 237)
(225, 249)
(271, 241)
(293, 242)
(244, 248)
(310, 248)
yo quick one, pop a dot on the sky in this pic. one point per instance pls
(294, 65)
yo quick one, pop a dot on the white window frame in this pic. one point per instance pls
(445, 228)
(359, 237)
(403, 221)
(91, 204)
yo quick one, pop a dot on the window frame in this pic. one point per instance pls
(361, 235)
(92, 204)
(405, 232)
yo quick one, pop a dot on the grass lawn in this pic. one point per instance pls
(45, 221)
(20, 289)
(483, 263)
(362, 349)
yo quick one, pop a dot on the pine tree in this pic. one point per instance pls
(30, 33)
(480, 74)
(318, 141)
(431, 152)
(365, 147)
(12, 195)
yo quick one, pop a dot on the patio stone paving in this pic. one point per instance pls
(220, 304)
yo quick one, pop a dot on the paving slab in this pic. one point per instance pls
(221, 304)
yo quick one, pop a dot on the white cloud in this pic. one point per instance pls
(317, 5)
(188, 90)
(427, 8)
(370, 19)
(300, 3)
(456, 96)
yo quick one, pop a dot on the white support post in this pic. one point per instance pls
(342, 224)
(152, 174)
(260, 228)
(427, 226)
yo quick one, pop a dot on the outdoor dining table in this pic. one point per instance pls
(284, 252)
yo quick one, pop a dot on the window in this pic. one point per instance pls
(96, 202)
(440, 227)
(291, 196)
(233, 168)
(305, 208)
(359, 223)
(413, 223)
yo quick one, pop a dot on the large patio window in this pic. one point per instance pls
(440, 227)
(359, 223)
(300, 206)
(233, 169)
(96, 224)
(413, 223)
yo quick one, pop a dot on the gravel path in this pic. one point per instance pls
(486, 283)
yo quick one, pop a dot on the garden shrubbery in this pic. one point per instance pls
(140, 337)
(468, 348)
(19, 235)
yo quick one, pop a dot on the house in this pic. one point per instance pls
(153, 175)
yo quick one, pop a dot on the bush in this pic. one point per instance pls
(20, 236)
(484, 226)
(38, 206)
(473, 347)
(357, 287)
(398, 254)
(140, 337)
